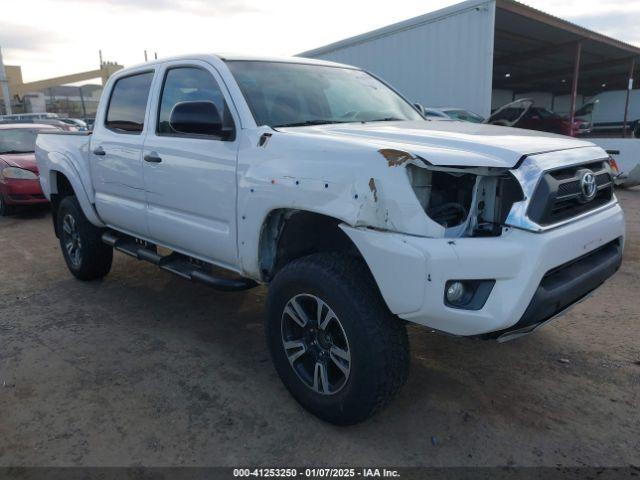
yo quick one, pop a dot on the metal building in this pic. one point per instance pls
(481, 54)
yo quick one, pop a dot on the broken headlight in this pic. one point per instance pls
(465, 201)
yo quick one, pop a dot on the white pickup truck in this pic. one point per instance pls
(323, 182)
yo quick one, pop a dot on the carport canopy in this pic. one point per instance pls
(535, 51)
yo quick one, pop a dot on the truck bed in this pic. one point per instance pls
(66, 153)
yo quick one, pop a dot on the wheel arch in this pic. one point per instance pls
(61, 184)
(288, 234)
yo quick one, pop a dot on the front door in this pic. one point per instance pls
(116, 155)
(190, 177)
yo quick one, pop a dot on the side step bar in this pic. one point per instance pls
(181, 265)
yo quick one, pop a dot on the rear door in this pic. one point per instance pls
(116, 154)
(190, 178)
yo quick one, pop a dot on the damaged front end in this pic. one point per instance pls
(464, 201)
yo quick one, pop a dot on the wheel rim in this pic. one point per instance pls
(316, 344)
(71, 240)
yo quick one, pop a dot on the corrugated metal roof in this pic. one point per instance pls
(534, 13)
(397, 27)
(511, 5)
(444, 58)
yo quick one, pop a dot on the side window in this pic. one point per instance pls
(128, 103)
(190, 84)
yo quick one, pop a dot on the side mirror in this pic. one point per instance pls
(197, 118)
(420, 109)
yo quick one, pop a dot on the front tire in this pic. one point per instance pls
(335, 345)
(5, 210)
(87, 257)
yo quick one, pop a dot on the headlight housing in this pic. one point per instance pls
(17, 174)
(466, 201)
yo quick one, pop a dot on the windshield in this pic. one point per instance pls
(18, 140)
(291, 94)
(509, 114)
(585, 110)
(543, 113)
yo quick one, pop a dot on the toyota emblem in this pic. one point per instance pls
(588, 186)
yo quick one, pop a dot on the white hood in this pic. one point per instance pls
(449, 142)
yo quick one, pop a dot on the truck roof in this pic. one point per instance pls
(242, 57)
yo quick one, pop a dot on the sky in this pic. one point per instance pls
(57, 37)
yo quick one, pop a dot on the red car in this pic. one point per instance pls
(523, 114)
(19, 181)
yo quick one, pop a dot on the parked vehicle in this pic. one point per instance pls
(523, 113)
(604, 113)
(625, 159)
(76, 123)
(323, 182)
(453, 113)
(430, 112)
(19, 182)
(27, 117)
(53, 121)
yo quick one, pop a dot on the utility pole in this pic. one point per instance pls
(52, 101)
(84, 108)
(626, 100)
(145, 56)
(4, 85)
(574, 84)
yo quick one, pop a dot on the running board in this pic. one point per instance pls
(181, 265)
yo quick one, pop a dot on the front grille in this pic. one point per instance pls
(559, 195)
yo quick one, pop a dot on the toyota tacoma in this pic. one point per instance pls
(324, 183)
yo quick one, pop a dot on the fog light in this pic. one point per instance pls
(467, 294)
(455, 292)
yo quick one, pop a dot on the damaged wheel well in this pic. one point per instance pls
(288, 234)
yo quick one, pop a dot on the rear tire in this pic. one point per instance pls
(361, 329)
(87, 257)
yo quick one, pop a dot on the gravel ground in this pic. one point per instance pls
(144, 368)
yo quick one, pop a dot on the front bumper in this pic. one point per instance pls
(411, 272)
(22, 192)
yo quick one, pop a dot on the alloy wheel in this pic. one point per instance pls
(316, 344)
(71, 240)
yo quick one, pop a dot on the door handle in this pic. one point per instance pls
(99, 151)
(152, 158)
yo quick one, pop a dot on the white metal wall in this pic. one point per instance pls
(439, 59)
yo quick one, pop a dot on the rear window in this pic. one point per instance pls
(128, 103)
(19, 140)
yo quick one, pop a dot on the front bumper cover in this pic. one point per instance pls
(22, 192)
(565, 286)
(412, 272)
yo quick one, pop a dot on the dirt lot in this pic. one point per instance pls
(144, 368)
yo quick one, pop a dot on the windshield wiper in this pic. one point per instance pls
(15, 152)
(307, 123)
(385, 119)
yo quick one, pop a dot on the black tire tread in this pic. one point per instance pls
(385, 331)
(98, 254)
